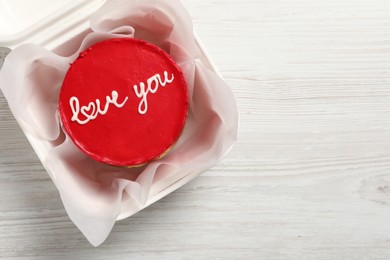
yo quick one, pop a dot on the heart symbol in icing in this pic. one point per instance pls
(89, 111)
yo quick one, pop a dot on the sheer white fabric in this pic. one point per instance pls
(94, 194)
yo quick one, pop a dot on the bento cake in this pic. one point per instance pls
(124, 102)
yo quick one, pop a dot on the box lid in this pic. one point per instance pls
(43, 22)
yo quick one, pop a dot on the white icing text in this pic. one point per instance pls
(153, 84)
(93, 109)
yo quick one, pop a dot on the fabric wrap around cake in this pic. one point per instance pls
(96, 194)
(124, 102)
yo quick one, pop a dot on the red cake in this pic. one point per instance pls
(124, 102)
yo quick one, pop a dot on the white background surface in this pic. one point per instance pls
(309, 177)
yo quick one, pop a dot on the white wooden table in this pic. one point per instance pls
(309, 177)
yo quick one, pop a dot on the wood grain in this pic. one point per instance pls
(309, 177)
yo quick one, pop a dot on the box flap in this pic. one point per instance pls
(41, 21)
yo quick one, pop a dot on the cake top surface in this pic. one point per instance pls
(124, 102)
